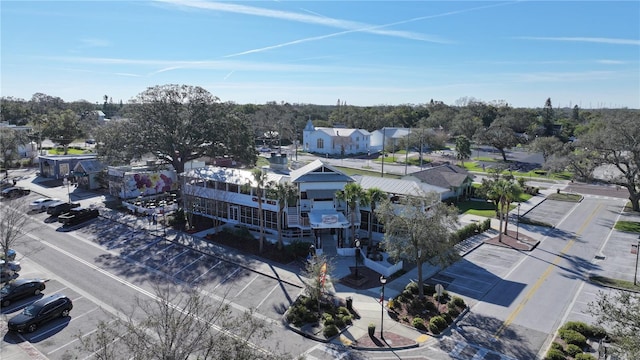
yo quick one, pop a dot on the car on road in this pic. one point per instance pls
(61, 207)
(14, 192)
(40, 312)
(42, 203)
(78, 215)
(19, 289)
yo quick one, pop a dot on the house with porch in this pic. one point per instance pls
(457, 180)
(335, 140)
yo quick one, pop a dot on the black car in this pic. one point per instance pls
(20, 288)
(40, 312)
(14, 192)
(77, 216)
(61, 208)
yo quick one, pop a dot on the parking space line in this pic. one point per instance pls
(177, 256)
(191, 263)
(268, 295)
(74, 340)
(144, 247)
(233, 273)
(206, 272)
(246, 286)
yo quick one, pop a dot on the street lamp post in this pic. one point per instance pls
(357, 243)
(518, 223)
(383, 280)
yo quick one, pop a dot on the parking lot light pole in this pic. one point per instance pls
(357, 254)
(383, 280)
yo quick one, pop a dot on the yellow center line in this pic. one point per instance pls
(544, 276)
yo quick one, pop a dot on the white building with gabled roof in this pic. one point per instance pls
(335, 141)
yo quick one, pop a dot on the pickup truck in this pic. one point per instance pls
(78, 215)
(56, 209)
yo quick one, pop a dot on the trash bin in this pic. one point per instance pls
(349, 303)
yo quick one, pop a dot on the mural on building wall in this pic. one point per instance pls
(149, 184)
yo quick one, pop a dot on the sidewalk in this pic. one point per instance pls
(366, 302)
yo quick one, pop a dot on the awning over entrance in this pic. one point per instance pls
(327, 219)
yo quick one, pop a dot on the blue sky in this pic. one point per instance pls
(583, 53)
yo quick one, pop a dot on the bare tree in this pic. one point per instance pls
(619, 313)
(14, 225)
(180, 323)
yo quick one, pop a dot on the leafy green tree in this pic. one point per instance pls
(180, 123)
(463, 148)
(466, 124)
(547, 145)
(420, 229)
(504, 192)
(10, 140)
(547, 118)
(374, 197)
(498, 135)
(614, 140)
(118, 143)
(317, 274)
(62, 127)
(619, 313)
(14, 225)
(353, 195)
(286, 195)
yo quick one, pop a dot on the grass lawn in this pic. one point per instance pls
(565, 197)
(616, 283)
(70, 151)
(628, 226)
(480, 208)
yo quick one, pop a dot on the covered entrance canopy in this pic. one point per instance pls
(327, 219)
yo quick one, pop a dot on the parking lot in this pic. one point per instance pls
(139, 256)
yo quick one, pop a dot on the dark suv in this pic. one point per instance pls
(61, 208)
(40, 312)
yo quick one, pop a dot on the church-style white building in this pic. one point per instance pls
(335, 140)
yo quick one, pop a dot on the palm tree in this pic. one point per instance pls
(285, 194)
(503, 192)
(260, 178)
(374, 196)
(354, 195)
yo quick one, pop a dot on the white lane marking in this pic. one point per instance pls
(268, 295)
(246, 286)
(191, 263)
(206, 272)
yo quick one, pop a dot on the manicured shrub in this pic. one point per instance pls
(554, 354)
(434, 329)
(407, 294)
(453, 313)
(573, 337)
(438, 321)
(578, 326)
(330, 331)
(342, 310)
(573, 350)
(557, 346)
(447, 317)
(584, 356)
(412, 287)
(457, 301)
(327, 319)
(347, 319)
(339, 322)
(418, 323)
(598, 332)
(430, 306)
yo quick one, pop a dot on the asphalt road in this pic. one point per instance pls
(105, 266)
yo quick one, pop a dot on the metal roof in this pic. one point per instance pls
(397, 186)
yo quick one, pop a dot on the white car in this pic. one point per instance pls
(42, 203)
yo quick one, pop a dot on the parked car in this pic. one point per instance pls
(61, 207)
(20, 288)
(11, 265)
(41, 204)
(77, 216)
(14, 192)
(40, 312)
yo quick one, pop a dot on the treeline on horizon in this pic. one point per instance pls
(465, 118)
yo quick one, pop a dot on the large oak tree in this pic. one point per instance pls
(180, 123)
